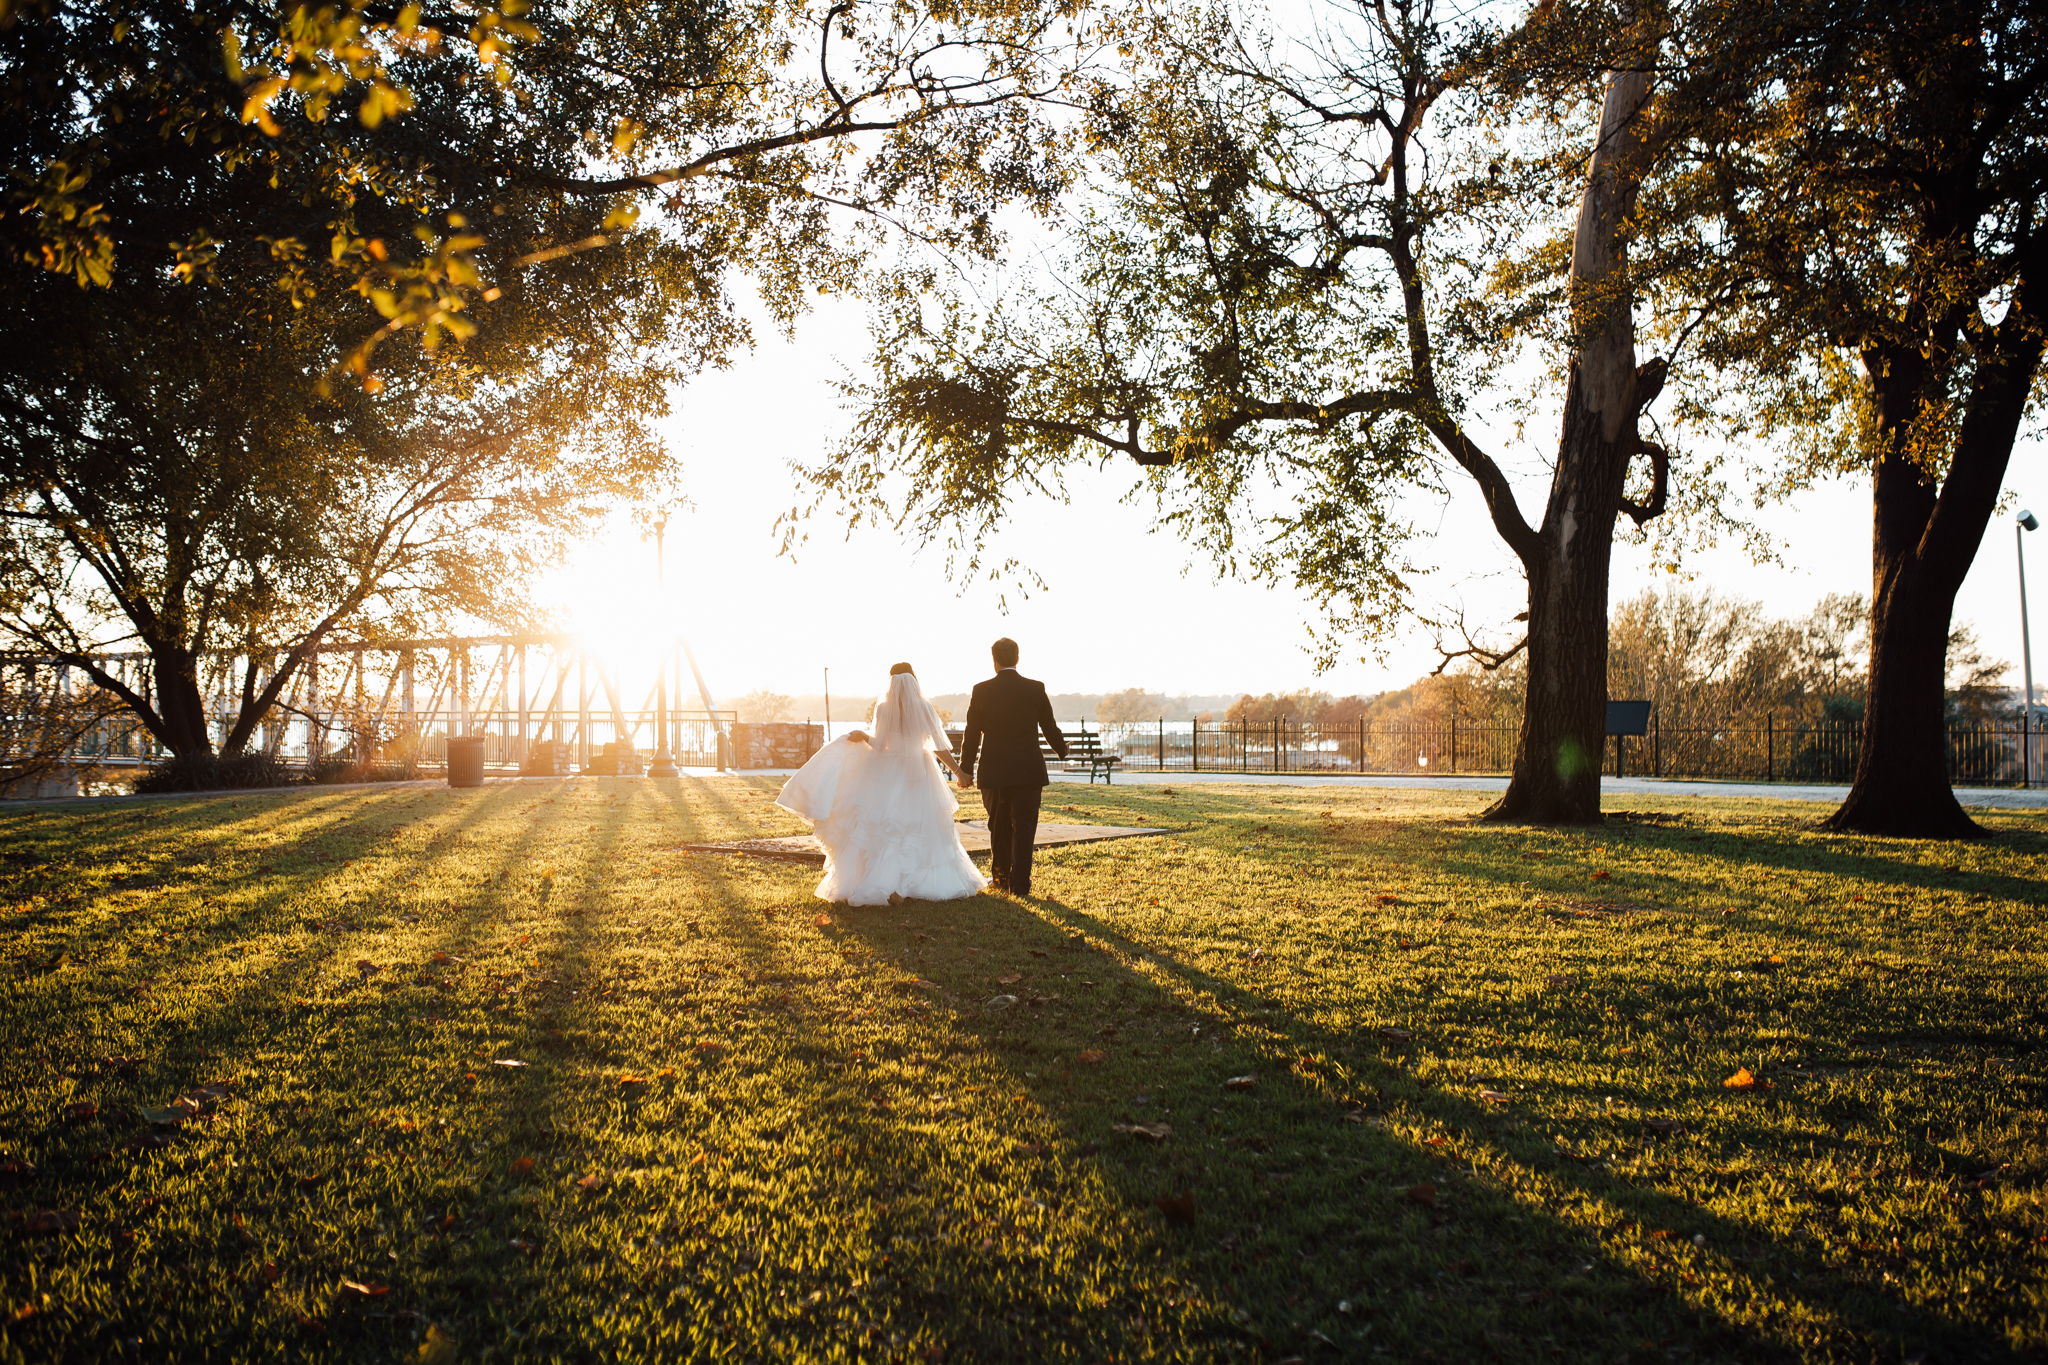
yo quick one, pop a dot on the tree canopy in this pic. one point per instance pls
(1856, 196)
(219, 210)
(736, 118)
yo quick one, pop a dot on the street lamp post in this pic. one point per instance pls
(2027, 522)
(664, 764)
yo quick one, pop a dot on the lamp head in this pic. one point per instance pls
(2028, 520)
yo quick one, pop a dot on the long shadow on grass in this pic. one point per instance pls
(1880, 862)
(1823, 935)
(1476, 1270)
(1308, 1221)
(303, 1195)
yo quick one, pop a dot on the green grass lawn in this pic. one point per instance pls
(509, 1074)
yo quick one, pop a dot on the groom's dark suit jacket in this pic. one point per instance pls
(1004, 719)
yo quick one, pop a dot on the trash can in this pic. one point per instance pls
(466, 760)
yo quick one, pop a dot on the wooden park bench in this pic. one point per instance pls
(1084, 755)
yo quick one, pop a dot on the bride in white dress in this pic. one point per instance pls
(881, 809)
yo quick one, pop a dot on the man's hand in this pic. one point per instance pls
(966, 783)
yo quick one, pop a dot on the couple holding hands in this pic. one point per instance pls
(884, 814)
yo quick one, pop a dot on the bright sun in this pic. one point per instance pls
(605, 594)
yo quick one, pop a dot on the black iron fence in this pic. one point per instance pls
(1754, 749)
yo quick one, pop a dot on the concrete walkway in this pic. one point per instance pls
(1983, 798)
(1979, 798)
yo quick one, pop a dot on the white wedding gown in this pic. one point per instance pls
(883, 810)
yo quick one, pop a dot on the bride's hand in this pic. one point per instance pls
(858, 736)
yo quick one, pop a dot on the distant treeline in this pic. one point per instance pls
(1701, 657)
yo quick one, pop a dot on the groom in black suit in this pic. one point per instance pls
(1009, 712)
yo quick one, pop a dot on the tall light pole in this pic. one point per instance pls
(2027, 522)
(664, 765)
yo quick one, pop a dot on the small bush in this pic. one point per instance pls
(212, 773)
(356, 770)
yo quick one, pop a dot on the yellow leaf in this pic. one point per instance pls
(438, 1348)
(1741, 1080)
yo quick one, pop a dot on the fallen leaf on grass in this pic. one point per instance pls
(270, 1274)
(999, 1002)
(1397, 1035)
(169, 1116)
(365, 966)
(1560, 981)
(667, 1073)
(1660, 1234)
(1388, 898)
(1495, 1097)
(710, 1049)
(1092, 1056)
(438, 958)
(592, 1183)
(1742, 1080)
(1012, 979)
(1179, 1209)
(438, 1348)
(1241, 1083)
(823, 921)
(632, 1080)
(1601, 875)
(81, 1111)
(1424, 1194)
(1148, 1132)
(367, 1289)
(509, 1061)
(521, 1168)
(307, 1182)
(1664, 1125)
(45, 1222)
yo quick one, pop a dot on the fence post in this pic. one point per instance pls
(1195, 745)
(1656, 745)
(1162, 744)
(1770, 746)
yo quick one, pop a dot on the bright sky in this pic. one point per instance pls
(1121, 607)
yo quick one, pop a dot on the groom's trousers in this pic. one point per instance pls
(1012, 834)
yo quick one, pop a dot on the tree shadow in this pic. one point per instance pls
(1331, 1161)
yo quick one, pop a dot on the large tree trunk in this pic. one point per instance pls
(1557, 757)
(1564, 712)
(1923, 540)
(1902, 783)
(181, 721)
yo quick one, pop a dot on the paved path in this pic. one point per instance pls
(1986, 798)
(1981, 798)
(805, 848)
